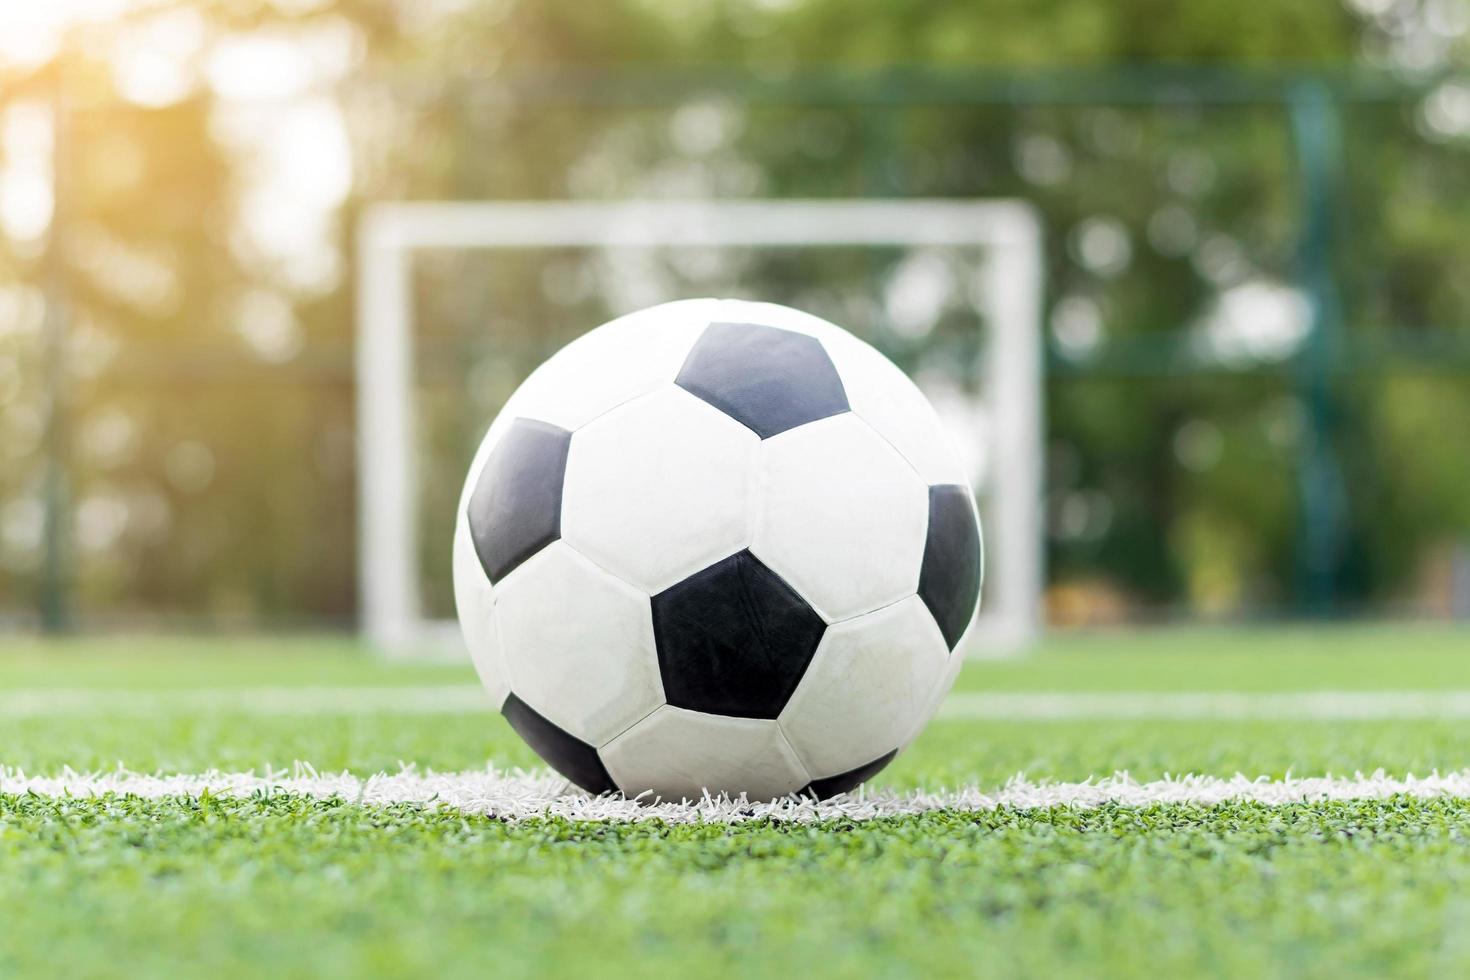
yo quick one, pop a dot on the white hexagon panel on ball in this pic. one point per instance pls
(659, 488)
(675, 755)
(578, 644)
(872, 679)
(842, 516)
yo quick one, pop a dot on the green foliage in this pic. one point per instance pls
(1076, 105)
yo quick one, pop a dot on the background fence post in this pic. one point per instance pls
(1316, 132)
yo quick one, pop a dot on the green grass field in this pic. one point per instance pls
(293, 886)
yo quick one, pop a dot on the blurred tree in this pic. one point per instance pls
(208, 472)
(1174, 222)
(213, 412)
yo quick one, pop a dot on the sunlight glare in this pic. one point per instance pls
(30, 33)
(26, 196)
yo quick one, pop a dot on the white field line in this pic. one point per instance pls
(969, 706)
(409, 700)
(519, 795)
(1210, 705)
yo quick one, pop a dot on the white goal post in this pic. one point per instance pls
(1008, 300)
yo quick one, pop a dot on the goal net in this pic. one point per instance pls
(950, 288)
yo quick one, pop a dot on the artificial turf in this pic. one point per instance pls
(290, 886)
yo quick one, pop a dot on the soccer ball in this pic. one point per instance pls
(717, 547)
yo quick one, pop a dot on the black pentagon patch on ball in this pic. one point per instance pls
(734, 639)
(949, 580)
(570, 756)
(845, 782)
(765, 378)
(515, 509)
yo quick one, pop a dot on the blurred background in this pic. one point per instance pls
(1257, 308)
